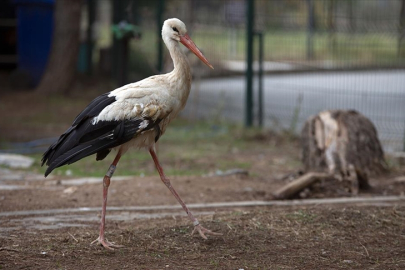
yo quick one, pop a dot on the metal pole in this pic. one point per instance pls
(249, 63)
(159, 21)
(403, 147)
(311, 23)
(261, 98)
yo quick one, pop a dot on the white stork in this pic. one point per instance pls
(134, 115)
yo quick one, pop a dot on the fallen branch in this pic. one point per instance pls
(299, 184)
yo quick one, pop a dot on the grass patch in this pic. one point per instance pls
(340, 48)
(302, 216)
(187, 148)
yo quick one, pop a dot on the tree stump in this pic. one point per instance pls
(344, 144)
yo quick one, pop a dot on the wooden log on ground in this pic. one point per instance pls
(299, 184)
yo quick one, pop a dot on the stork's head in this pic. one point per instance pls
(175, 30)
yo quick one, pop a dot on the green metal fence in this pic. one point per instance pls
(312, 51)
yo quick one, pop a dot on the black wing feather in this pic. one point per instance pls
(84, 138)
(88, 139)
(93, 109)
(102, 154)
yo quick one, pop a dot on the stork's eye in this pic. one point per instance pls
(175, 29)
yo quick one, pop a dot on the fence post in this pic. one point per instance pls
(311, 25)
(249, 63)
(261, 57)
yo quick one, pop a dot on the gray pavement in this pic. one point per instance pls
(379, 95)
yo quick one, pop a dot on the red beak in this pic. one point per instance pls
(186, 41)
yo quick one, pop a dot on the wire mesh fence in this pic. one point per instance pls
(314, 35)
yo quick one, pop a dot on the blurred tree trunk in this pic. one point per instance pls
(61, 68)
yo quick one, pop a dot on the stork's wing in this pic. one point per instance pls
(93, 109)
(86, 137)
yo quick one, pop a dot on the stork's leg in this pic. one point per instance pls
(106, 183)
(166, 181)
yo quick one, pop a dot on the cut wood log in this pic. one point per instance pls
(299, 184)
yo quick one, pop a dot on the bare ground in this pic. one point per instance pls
(316, 236)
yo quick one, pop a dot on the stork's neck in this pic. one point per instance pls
(181, 71)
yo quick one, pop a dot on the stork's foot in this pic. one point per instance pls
(202, 231)
(106, 244)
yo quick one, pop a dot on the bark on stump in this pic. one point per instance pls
(344, 144)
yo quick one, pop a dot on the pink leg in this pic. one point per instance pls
(106, 183)
(166, 181)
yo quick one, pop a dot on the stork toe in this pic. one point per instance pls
(202, 231)
(105, 243)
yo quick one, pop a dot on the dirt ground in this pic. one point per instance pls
(315, 236)
(352, 237)
(50, 223)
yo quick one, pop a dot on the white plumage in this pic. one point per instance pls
(134, 115)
